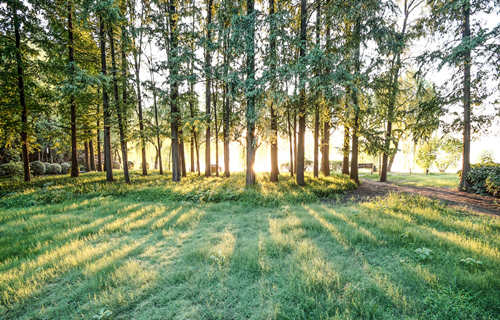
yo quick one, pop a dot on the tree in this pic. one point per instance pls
(250, 93)
(208, 64)
(427, 154)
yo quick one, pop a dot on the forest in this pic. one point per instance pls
(254, 149)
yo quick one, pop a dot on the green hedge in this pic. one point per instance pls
(484, 178)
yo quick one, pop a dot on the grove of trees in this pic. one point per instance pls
(102, 76)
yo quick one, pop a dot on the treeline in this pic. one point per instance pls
(108, 74)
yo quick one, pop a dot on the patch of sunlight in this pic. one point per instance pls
(189, 218)
(367, 233)
(160, 223)
(280, 243)
(317, 272)
(331, 228)
(109, 259)
(221, 253)
(145, 220)
(391, 290)
(129, 214)
(30, 276)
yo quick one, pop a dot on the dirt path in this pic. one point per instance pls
(462, 200)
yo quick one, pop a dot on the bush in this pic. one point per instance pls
(493, 184)
(11, 169)
(116, 165)
(65, 167)
(130, 164)
(478, 175)
(54, 168)
(38, 168)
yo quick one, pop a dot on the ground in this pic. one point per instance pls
(211, 249)
(445, 180)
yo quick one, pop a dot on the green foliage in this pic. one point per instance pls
(161, 189)
(427, 153)
(423, 254)
(451, 152)
(38, 168)
(493, 183)
(11, 169)
(478, 175)
(53, 168)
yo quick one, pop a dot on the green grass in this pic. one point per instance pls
(116, 254)
(445, 180)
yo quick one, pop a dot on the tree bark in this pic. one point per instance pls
(290, 139)
(86, 154)
(158, 142)
(174, 93)
(345, 151)
(357, 66)
(216, 131)
(91, 152)
(325, 148)
(250, 95)
(74, 153)
(22, 97)
(302, 96)
(316, 105)
(182, 153)
(208, 84)
(464, 184)
(273, 112)
(121, 131)
(105, 105)
(98, 136)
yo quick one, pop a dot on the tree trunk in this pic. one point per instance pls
(74, 155)
(91, 152)
(316, 105)
(86, 154)
(182, 153)
(137, 67)
(174, 93)
(290, 138)
(464, 184)
(325, 148)
(121, 131)
(273, 114)
(105, 105)
(158, 142)
(250, 95)
(208, 84)
(98, 136)
(22, 98)
(302, 96)
(191, 154)
(216, 131)
(391, 160)
(357, 66)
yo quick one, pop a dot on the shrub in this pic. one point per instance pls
(54, 168)
(479, 173)
(130, 164)
(65, 167)
(116, 165)
(493, 183)
(38, 168)
(11, 169)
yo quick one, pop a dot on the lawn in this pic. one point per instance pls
(211, 249)
(445, 180)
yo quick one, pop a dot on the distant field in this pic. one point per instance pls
(445, 180)
(212, 249)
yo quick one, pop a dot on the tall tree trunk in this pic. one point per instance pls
(98, 136)
(74, 154)
(137, 67)
(226, 107)
(325, 148)
(157, 127)
(290, 138)
(355, 128)
(391, 160)
(273, 114)
(91, 152)
(464, 184)
(121, 131)
(208, 84)
(316, 105)
(216, 130)
(250, 87)
(86, 154)
(191, 154)
(295, 156)
(22, 98)
(182, 153)
(302, 96)
(345, 151)
(105, 105)
(174, 93)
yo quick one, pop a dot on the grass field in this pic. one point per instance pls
(445, 180)
(210, 249)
